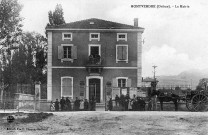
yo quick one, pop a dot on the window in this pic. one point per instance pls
(122, 36)
(67, 36)
(67, 52)
(94, 49)
(94, 36)
(67, 87)
(122, 53)
(122, 82)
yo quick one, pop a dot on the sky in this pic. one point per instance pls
(175, 39)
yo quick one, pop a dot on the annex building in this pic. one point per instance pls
(86, 56)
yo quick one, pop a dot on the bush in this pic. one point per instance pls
(36, 117)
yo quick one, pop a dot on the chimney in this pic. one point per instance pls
(136, 22)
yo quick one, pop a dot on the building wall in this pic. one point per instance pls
(108, 42)
(81, 74)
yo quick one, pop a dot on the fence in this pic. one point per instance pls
(19, 105)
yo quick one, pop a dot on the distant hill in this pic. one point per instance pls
(188, 78)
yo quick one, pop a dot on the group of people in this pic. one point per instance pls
(95, 59)
(78, 105)
(125, 103)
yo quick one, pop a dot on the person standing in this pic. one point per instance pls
(52, 106)
(76, 104)
(81, 105)
(57, 105)
(68, 104)
(86, 105)
(110, 104)
(62, 102)
(93, 103)
(126, 102)
(143, 105)
(122, 102)
(117, 100)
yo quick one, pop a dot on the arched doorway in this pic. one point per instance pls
(94, 88)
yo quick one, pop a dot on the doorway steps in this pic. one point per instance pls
(100, 106)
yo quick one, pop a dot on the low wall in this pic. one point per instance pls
(44, 106)
(24, 101)
(169, 106)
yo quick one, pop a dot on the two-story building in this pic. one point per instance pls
(86, 55)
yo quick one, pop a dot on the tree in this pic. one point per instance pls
(28, 62)
(35, 52)
(10, 22)
(56, 17)
(10, 30)
(203, 83)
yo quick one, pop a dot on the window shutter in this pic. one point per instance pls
(128, 82)
(114, 82)
(60, 52)
(119, 52)
(74, 52)
(124, 53)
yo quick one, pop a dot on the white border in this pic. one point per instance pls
(66, 33)
(127, 55)
(89, 50)
(71, 86)
(101, 86)
(90, 38)
(49, 66)
(125, 39)
(122, 78)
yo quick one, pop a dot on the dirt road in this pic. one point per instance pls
(115, 123)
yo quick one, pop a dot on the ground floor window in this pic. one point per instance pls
(122, 82)
(67, 87)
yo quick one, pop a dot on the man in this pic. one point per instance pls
(86, 105)
(143, 105)
(122, 102)
(110, 104)
(68, 104)
(62, 102)
(117, 100)
(76, 104)
(57, 105)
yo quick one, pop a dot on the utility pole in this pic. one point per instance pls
(154, 70)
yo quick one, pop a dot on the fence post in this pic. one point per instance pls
(18, 105)
(4, 106)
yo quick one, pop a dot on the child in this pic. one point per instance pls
(82, 105)
(52, 106)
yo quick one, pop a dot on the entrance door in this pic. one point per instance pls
(94, 89)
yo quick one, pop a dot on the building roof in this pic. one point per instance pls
(94, 23)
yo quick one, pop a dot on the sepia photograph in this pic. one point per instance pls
(103, 67)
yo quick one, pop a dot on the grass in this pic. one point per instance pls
(35, 117)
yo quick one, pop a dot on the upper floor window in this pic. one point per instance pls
(122, 36)
(67, 36)
(67, 52)
(94, 36)
(122, 53)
